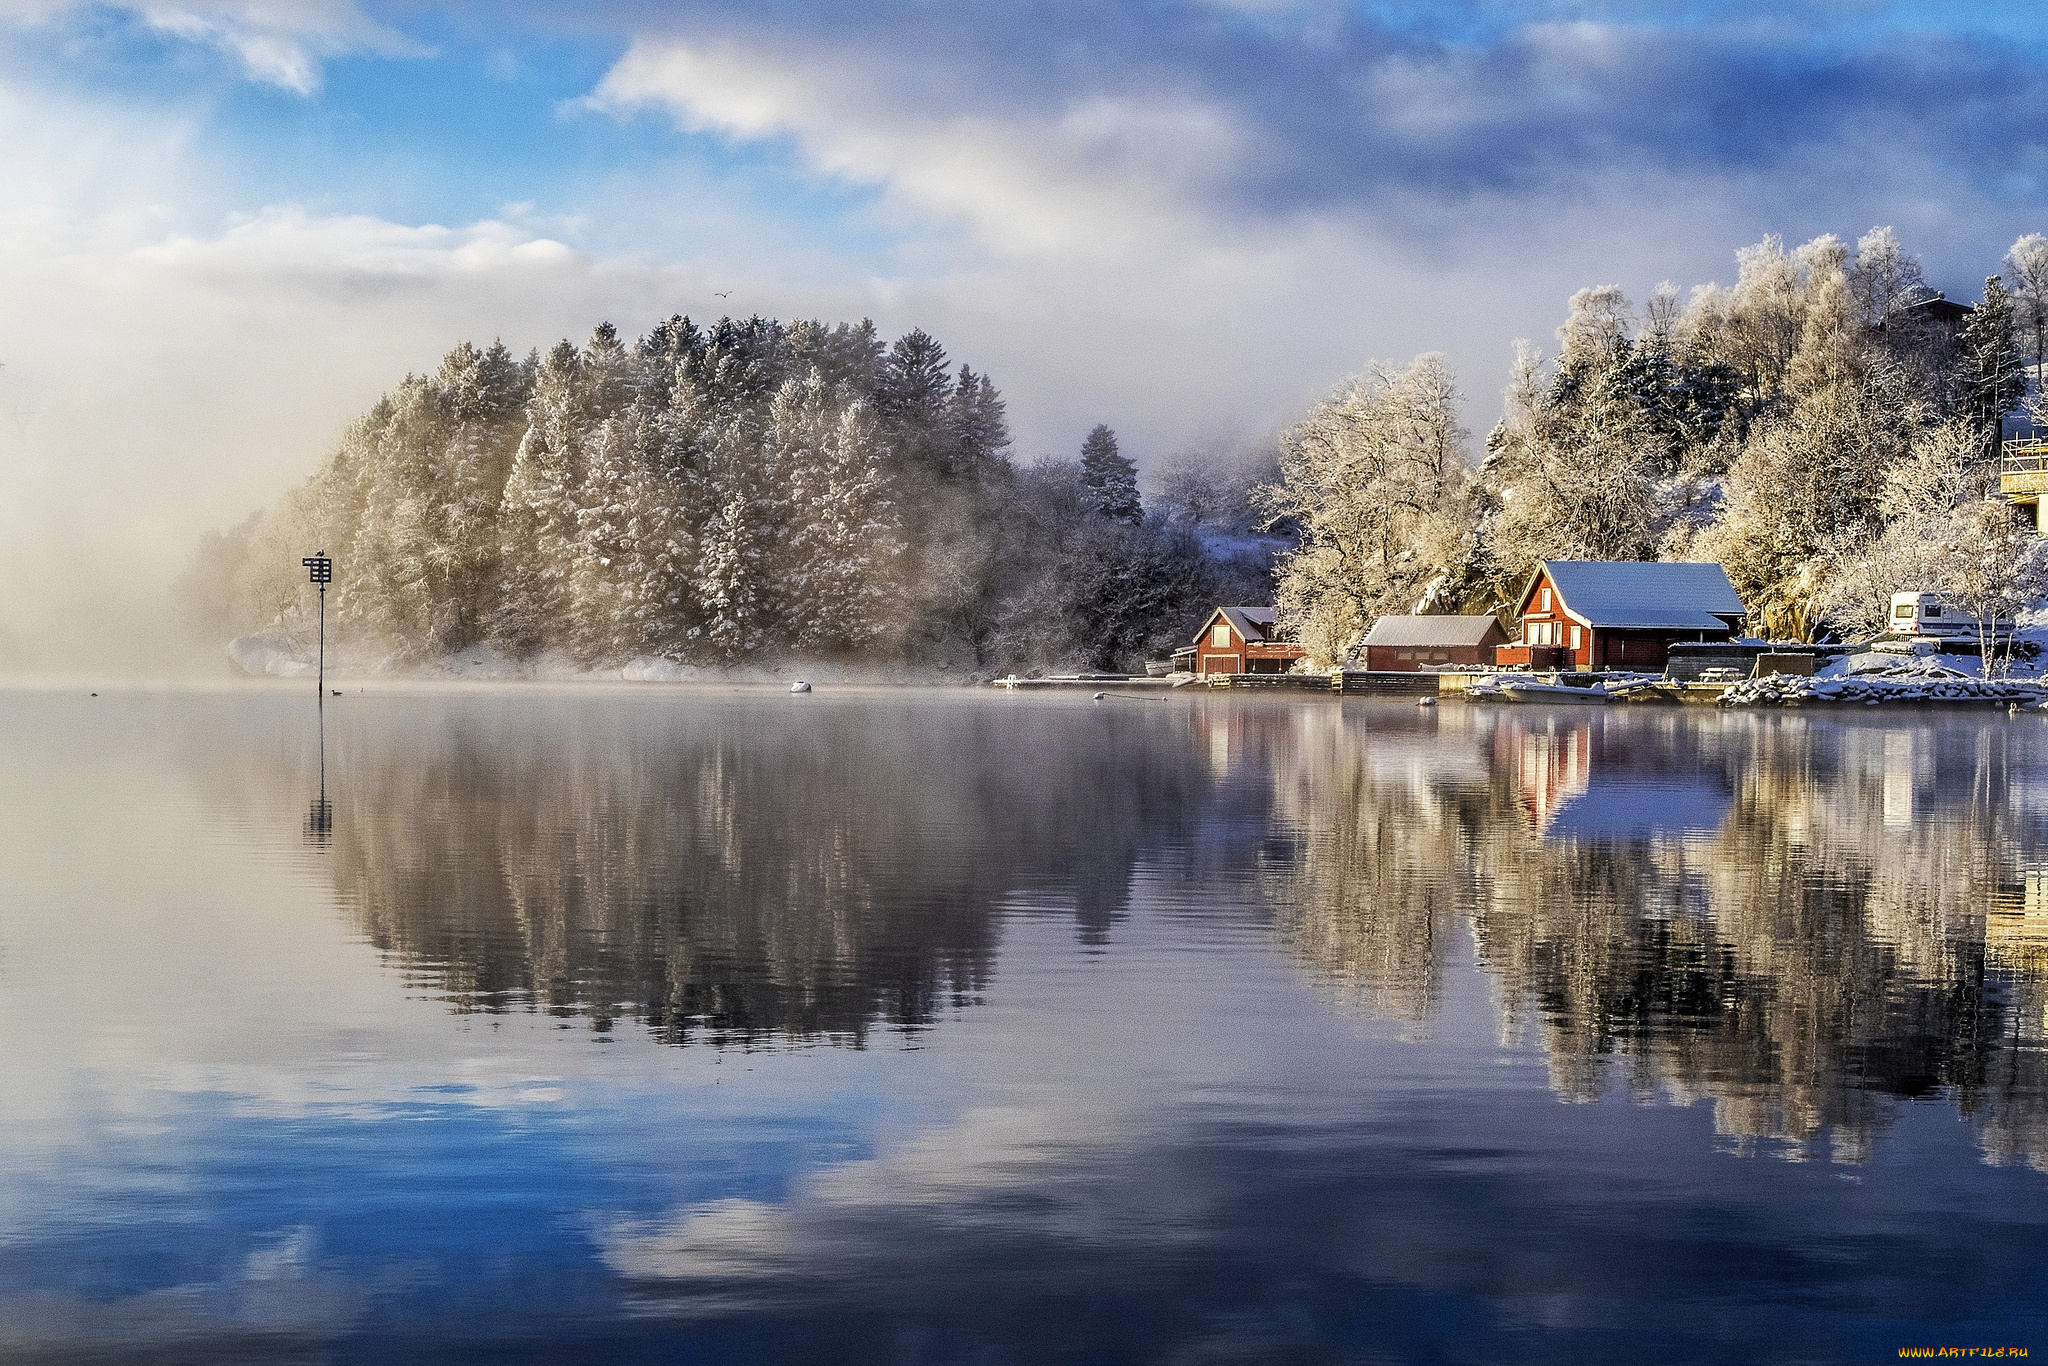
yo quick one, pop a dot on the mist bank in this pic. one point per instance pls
(721, 496)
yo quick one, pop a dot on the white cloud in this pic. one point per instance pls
(1095, 177)
(278, 42)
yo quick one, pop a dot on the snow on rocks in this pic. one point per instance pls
(1922, 679)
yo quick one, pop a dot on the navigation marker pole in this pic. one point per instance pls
(320, 819)
(320, 570)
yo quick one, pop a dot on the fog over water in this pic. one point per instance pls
(942, 1026)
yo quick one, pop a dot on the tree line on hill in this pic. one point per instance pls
(1827, 428)
(723, 494)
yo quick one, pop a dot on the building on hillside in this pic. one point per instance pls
(1407, 644)
(1244, 640)
(1626, 614)
(2023, 478)
(1940, 309)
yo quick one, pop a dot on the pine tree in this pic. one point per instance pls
(1111, 479)
(912, 393)
(980, 430)
(538, 516)
(1993, 372)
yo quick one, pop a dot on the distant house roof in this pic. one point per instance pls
(1942, 309)
(1253, 623)
(1643, 593)
(1438, 632)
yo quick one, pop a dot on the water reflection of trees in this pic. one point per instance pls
(1799, 920)
(732, 873)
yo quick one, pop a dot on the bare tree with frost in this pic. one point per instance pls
(1374, 477)
(2026, 266)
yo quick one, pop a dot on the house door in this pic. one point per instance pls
(1223, 664)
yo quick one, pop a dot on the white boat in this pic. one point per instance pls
(1530, 690)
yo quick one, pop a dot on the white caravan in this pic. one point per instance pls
(1924, 614)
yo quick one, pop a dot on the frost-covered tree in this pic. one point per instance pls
(1088, 591)
(1870, 560)
(979, 426)
(1110, 477)
(1374, 477)
(711, 493)
(1885, 281)
(913, 395)
(1571, 470)
(1991, 569)
(2026, 265)
(841, 540)
(1993, 373)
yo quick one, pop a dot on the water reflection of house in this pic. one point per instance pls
(1551, 764)
(2016, 927)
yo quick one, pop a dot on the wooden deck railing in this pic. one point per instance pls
(2023, 467)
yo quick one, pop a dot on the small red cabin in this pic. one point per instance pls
(1626, 614)
(1243, 640)
(1410, 644)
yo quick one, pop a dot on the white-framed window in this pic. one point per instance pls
(1219, 638)
(1546, 599)
(1575, 637)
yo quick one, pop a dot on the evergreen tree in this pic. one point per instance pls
(975, 415)
(538, 516)
(912, 393)
(1111, 478)
(711, 493)
(1993, 372)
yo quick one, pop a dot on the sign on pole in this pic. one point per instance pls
(320, 570)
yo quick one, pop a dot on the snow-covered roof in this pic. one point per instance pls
(1684, 596)
(1433, 631)
(1252, 623)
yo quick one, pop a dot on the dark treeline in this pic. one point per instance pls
(718, 495)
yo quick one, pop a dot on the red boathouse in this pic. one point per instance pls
(1409, 644)
(1243, 640)
(1626, 614)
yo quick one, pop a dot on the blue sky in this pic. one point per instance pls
(243, 219)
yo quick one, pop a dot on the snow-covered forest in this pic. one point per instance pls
(1826, 428)
(717, 495)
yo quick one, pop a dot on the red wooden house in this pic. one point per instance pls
(1624, 614)
(1243, 640)
(1408, 644)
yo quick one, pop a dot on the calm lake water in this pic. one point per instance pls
(649, 1024)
